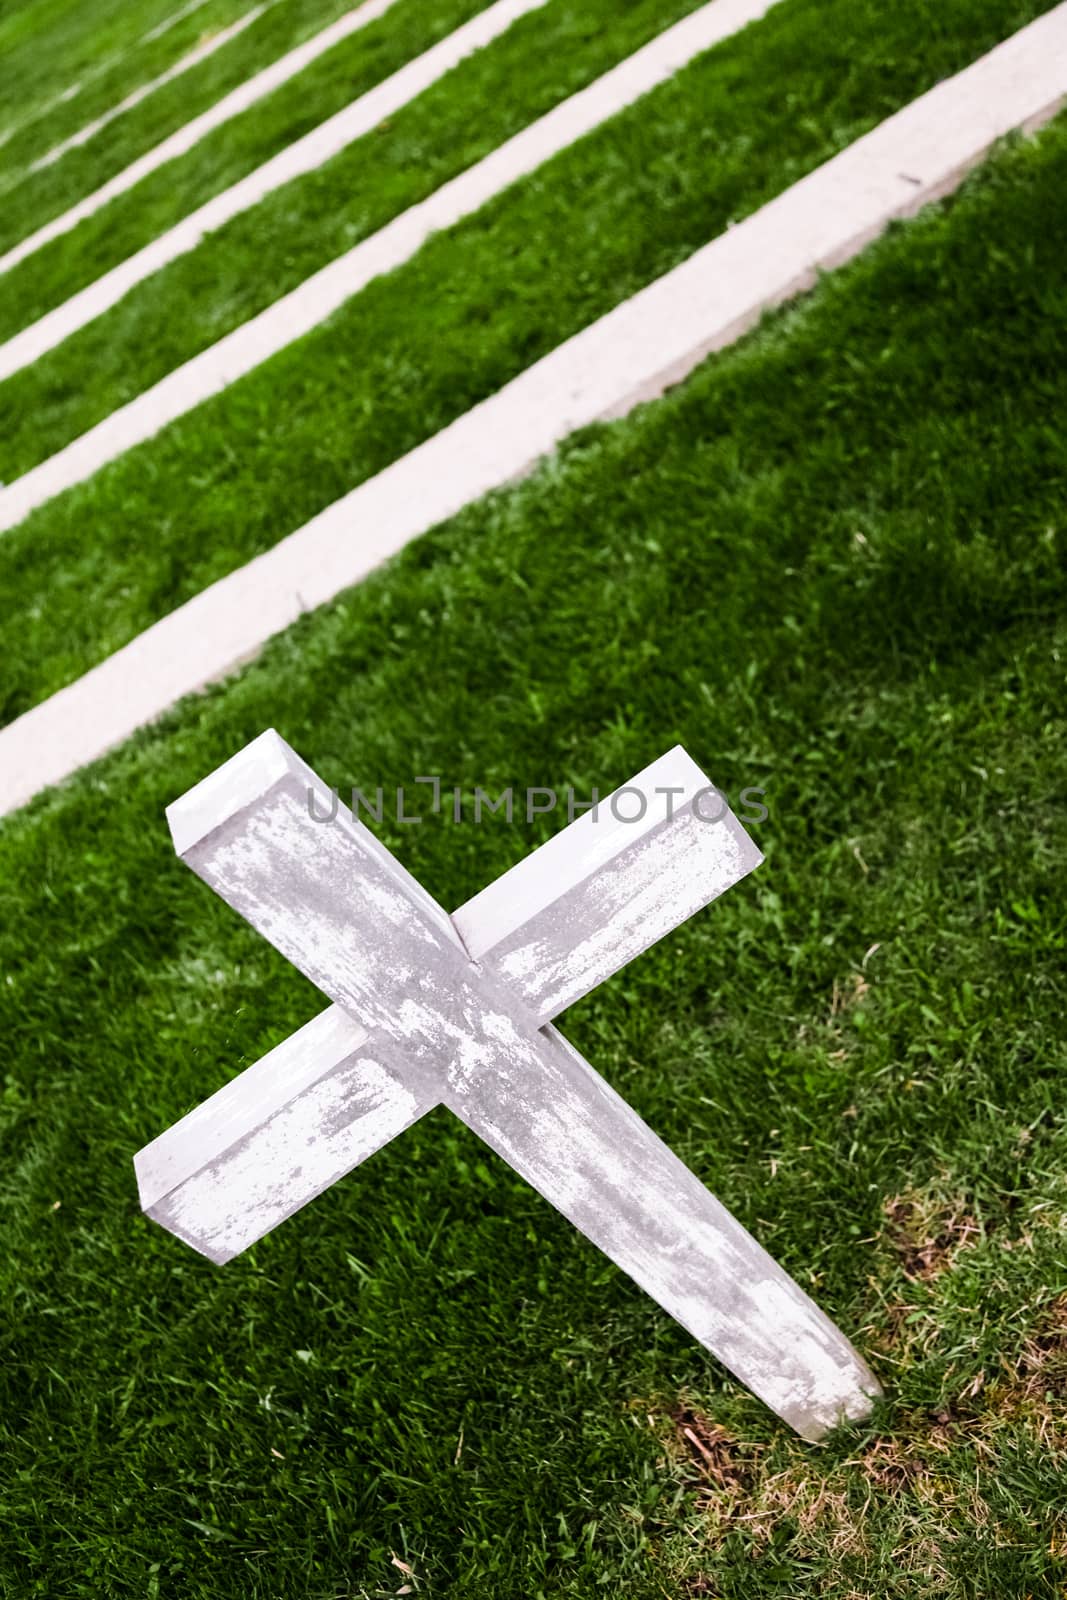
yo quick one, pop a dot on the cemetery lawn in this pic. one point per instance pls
(134, 219)
(478, 304)
(47, 45)
(42, 195)
(832, 565)
(106, 52)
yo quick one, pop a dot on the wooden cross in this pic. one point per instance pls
(430, 1009)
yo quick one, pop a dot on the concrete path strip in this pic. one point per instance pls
(238, 100)
(633, 354)
(200, 52)
(319, 296)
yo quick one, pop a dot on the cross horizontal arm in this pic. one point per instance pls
(276, 1136)
(608, 886)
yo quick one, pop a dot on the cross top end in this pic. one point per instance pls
(228, 789)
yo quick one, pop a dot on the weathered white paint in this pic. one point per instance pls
(200, 52)
(213, 1155)
(313, 1138)
(314, 1052)
(320, 295)
(604, 889)
(632, 354)
(176, 144)
(594, 836)
(334, 901)
(275, 1136)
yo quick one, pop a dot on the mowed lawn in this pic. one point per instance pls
(477, 305)
(58, 269)
(39, 196)
(631, 199)
(49, 48)
(832, 565)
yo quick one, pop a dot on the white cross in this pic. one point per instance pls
(430, 1009)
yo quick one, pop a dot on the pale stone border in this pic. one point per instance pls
(319, 296)
(200, 52)
(633, 354)
(238, 100)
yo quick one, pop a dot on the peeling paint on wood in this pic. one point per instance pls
(429, 1009)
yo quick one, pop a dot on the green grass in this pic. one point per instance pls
(832, 564)
(40, 196)
(46, 45)
(488, 97)
(477, 305)
(106, 78)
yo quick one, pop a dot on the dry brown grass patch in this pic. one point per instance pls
(845, 997)
(821, 1507)
(927, 1233)
(1042, 1364)
(1031, 1387)
(720, 1461)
